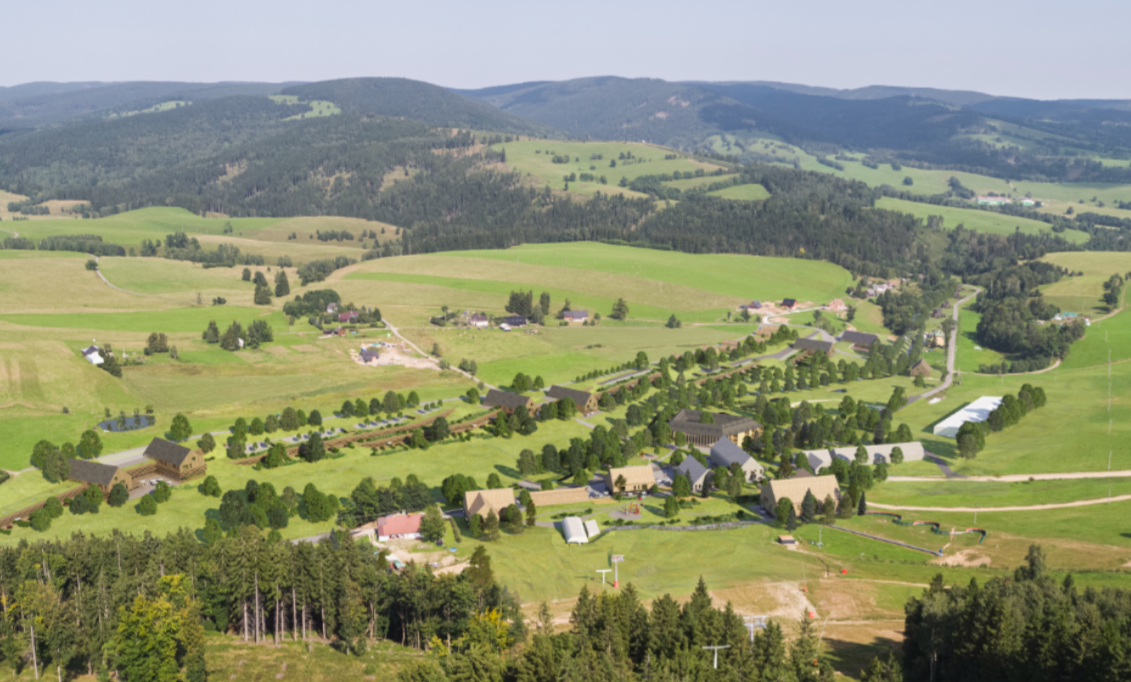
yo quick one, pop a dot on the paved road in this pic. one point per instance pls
(1021, 478)
(1035, 507)
(951, 348)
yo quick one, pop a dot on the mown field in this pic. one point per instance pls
(981, 221)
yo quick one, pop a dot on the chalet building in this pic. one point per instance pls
(809, 347)
(859, 340)
(483, 502)
(479, 321)
(350, 316)
(725, 453)
(93, 355)
(836, 306)
(689, 423)
(508, 402)
(789, 304)
(369, 356)
(399, 526)
(175, 461)
(695, 472)
(795, 489)
(515, 321)
(921, 369)
(576, 316)
(104, 476)
(586, 402)
(636, 479)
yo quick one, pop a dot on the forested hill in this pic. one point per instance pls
(418, 101)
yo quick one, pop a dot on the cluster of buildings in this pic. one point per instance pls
(994, 200)
(169, 460)
(481, 321)
(508, 402)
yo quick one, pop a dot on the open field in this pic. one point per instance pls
(1082, 294)
(974, 219)
(535, 158)
(743, 193)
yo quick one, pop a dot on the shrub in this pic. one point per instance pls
(147, 506)
(162, 491)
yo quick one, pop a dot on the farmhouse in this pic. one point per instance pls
(837, 306)
(859, 340)
(636, 479)
(97, 474)
(795, 489)
(586, 402)
(690, 424)
(508, 402)
(514, 321)
(576, 316)
(789, 304)
(406, 526)
(921, 369)
(549, 498)
(175, 461)
(993, 201)
(977, 411)
(478, 320)
(350, 316)
(695, 472)
(810, 347)
(574, 531)
(369, 356)
(725, 453)
(483, 502)
(912, 452)
(93, 355)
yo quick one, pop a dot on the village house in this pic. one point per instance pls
(483, 502)
(836, 306)
(859, 340)
(809, 347)
(636, 479)
(332, 308)
(690, 423)
(795, 488)
(576, 316)
(788, 304)
(921, 369)
(912, 452)
(399, 526)
(93, 355)
(478, 320)
(104, 476)
(515, 321)
(350, 316)
(564, 495)
(508, 402)
(175, 461)
(586, 402)
(369, 356)
(695, 472)
(725, 453)
(992, 201)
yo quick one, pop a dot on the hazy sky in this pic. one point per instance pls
(1036, 49)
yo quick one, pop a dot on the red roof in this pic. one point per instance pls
(401, 524)
(346, 317)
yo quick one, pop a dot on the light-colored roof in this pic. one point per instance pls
(724, 453)
(481, 502)
(576, 314)
(634, 476)
(548, 498)
(977, 411)
(693, 470)
(912, 452)
(795, 488)
(591, 528)
(574, 531)
(400, 524)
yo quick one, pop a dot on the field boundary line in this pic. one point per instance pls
(97, 259)
(1036, 507)
(888, 540)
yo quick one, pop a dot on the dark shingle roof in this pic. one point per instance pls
(170, 453)
(693, 470)
(515, 320)
(94, 473)
(725, 453)
(725, 424)
(859, 338)
(576, 315)
(813, 344)
(497, 398)
(788, 302)
(560, 392)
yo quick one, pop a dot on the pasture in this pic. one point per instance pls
(981, 221)
(536, 159)
(751, 192)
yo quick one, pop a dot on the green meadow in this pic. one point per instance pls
(981, 221)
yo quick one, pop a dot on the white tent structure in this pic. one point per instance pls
(591, 528)
(574, 531)
(977, 411)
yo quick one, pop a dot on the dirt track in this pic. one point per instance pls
(1017, 478)
(1036, 507)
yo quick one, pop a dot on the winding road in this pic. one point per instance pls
(951, 349)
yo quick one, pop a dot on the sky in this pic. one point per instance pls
(1037, 49)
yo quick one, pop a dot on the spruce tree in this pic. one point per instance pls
(491, 526)
(791, 519)
(809, 508)
(863, 506)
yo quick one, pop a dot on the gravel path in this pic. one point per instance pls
(951, 349)
(1035, 507)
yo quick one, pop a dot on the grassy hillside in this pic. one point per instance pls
(981, 221)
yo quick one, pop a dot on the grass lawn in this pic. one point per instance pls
(970, 355)
(974, 219)
(184, 320)
(751, 192)
(993, 494)
(1082, 294)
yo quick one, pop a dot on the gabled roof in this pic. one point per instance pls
(164, 451)
(788, 302)
(560, 392)
(91, 349)
(478, 317)
(858, 338)
(795, 489)
(515, 320)
(634, 476)
(483, 501)
(369, 354)
(813, 345)
(505, 399)
(88, 471)
(725, 424)
(574, 531)
(724, 453)
(400, 524)
(693, 470)
(576, 314)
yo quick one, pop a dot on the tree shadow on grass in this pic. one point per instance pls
(509, 471)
